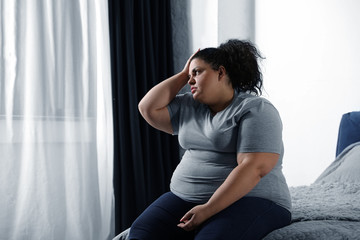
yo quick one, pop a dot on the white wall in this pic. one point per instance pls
(311, 74)
(236, 19)
(215, 21)
(204, 22)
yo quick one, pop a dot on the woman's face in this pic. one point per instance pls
(203, 81)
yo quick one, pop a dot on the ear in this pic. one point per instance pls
(222, 72)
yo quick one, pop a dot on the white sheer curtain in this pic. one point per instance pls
(56, 148)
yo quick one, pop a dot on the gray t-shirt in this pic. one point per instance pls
(211, 143)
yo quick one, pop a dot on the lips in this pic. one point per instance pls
(193, 90)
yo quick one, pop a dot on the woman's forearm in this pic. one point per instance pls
(239, 182)
(153, 105)
(161, 95)
(252, 167)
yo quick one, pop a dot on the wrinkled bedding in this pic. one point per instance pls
(319, 230)
(330, 207)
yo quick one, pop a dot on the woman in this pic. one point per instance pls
(229, 183)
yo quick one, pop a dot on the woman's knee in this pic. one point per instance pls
(160, 219)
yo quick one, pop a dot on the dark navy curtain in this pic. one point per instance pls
(141, 56)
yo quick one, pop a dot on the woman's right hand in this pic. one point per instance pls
(187, 65)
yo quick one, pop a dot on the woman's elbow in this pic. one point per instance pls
(157, 118)
(144, 106)
(141, 108)
(147, 112)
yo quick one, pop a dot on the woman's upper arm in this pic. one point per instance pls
(158, 118)
(166, 118)
(260, 138)
(260, 130)
(263, 162)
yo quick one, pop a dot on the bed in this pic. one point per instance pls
(328, 209)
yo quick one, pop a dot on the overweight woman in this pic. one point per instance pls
(229, 183)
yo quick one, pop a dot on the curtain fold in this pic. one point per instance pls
(56, 141)
(141, 56)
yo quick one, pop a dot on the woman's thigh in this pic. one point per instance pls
(248, 218)
(160, 219)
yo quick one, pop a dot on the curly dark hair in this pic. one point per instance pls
(240, 59)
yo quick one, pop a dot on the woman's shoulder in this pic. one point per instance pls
(248, 99)
(246, 102)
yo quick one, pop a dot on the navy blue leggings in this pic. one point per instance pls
(248, 218)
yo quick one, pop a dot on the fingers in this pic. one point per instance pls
(195, 53)
(186, 222)
(186, 68)
(194, 218)
(187, 217)
(187, 226)
(188, 62)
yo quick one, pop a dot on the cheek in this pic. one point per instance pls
(203, 82)
(208, 85)
(203, 88)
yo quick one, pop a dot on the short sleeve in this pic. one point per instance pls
(260, 129)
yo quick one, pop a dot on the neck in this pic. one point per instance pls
(225, 101)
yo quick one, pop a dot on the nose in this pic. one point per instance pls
(191, 80)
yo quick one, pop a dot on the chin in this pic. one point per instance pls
(198, 98)
(195, 97)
